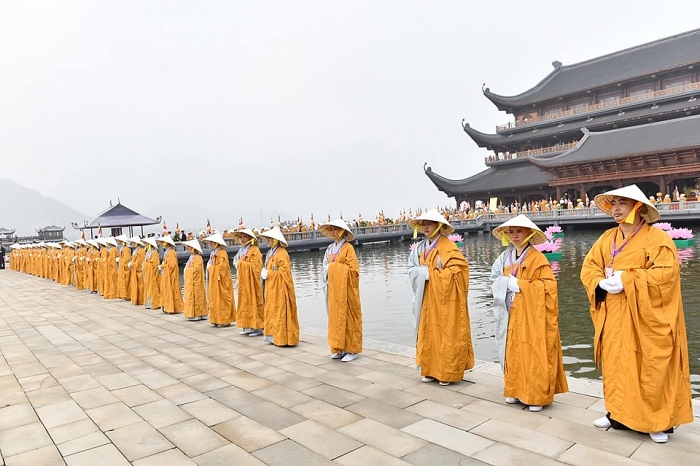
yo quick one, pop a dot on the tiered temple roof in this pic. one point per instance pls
(118, 216)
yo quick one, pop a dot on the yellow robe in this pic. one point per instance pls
(250, 312)
(136, 287)
(68, 266)
(444, 344)
(101, 277)
(343, 300)
(640, 334)
(222, 305)
(80, 269)
(281, 321)
(195, 293)
(151, 278)
(91, 269)
(123, 276)
(170, 294)
(533, 369)
(109, 269)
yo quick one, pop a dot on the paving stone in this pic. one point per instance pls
(136, 395)
(389, 380)
(246, 381)
(582, 455)
(522, 438)
(180, 393)
(248, 434)
(17, 415)
(37, 382)
(621, 445)
(508, 455)
(271, 415)
(369, 456)
(161, 413)
(210, 411)
(79, 383)
(234, 397)
(382, 437)
(67, 432)
(154, 379)
(321, 439)
(260, 369)
(390, 396)
(45, 456)
(139, 440)
(193, 437)
(435, 392)
(23, 438)
(293, 381)
(454, 417)
(172, 457)
(333, 395)
(282, 396)
(60, 413)
(46, 396)
(431, 455)
(326, 414)
(384, 413)
(204, 382)
(113, 416)
(303, 369)
(513, 414)
(94, 397)
(225, 456)
(117, 380)
(449, 437)
(86, 442)
(289, 453)
(106, 455)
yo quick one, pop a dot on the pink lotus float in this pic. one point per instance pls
(554, 231)
(683, 237)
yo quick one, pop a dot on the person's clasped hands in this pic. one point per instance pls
(613, 284)
(513, 284)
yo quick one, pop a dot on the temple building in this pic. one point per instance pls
(116, 220)
(631, 116)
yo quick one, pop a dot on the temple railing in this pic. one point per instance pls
(648, 96)
(527, 153)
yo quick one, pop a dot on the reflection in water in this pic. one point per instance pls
(386, 297)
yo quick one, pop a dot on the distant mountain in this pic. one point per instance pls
(26, 210)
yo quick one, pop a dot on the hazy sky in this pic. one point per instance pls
(221, 109)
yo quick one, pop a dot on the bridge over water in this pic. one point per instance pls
(687, 214)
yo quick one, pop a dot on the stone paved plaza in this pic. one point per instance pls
(86, 382)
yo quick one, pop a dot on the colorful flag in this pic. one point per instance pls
(208, 227)
(99, 231)
(240, 223)
(165, 229)
(82, 235)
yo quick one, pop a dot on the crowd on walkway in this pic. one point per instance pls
(631, 276)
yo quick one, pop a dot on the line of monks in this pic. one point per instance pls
(130, 269)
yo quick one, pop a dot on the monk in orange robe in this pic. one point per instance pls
(136, 286)
(633, 281)
(281, 321)
(91, 266)
(195, 292)
(222, 305)
(526, 310)
(80, 253)
(170, 294)
(110, 269)
(123, 275)
(151, 275)
(248, 262)
(102, 264)
(341, 286)
(439, 276)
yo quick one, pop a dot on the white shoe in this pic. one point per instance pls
(427, 379)
(445, 384)
(603, 422)
(535, 408)
(511, 401)
(338, 355)
(659, 437)
(349, 357)
(246, 331)
(255, 333)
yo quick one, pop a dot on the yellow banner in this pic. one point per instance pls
(493, 204)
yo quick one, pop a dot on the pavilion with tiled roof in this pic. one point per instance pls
(116, 218)
(632, 88)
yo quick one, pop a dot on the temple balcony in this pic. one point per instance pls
(600, 106)
(526, 153)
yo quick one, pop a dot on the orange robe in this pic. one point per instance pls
(151, 278)
(80, 268)
(136, 287)
(101, 266)
(123, 276)
(195, 292)
(170, 294)
(222, 305)
(109, 269)
(533, 368)
(281, 321)
(91, 269)
(444, 344)
(250, 312)
(342, 290)
(640, 334)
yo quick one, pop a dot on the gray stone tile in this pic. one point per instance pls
(37, 382)
(60, 413)
(454, 417)
(67, 432)
(155, 379)
(225, 456)
(161, 413)
(210, 411)
(172, 457)
(582, 455)
(117, 380)
(246, 381)
(326, 414)
(519, 437)
(271, 415)
(390, 380)
(94, 397)
(448, 437)
(370, 456)
(45, 456)
(382, 437)
(303, 369)
(23, 438)
(234, 397)
(434, 392)
(282, 396)
(293, 381)
(432, 454)
(204, 382)
(138, 441)
(193, 437)
(340, 380)
(17, 415)
(621, 445)
(46, 396)
(106, 454)
(384, 413)
(180, 393)
(390, 396)
(508, 455)
(260, 369)
(335, 396)
(137, 395)
(289, 453)
(86, 442)
(513, 414)
(113, 416)
(321, 439)
(248, 434)
(79, 383)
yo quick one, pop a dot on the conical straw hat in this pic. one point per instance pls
(193, 243)
(340, 223)
(275, 233)
(167, 240)
(433, 216)
(524, 221)
(216, 238)
(648, 213)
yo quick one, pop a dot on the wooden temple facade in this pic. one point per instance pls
(632, 116)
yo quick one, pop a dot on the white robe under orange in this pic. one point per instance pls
(341, 285)
(640, 335)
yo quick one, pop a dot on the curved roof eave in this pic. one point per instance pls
(506, 103)
(483, 139)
